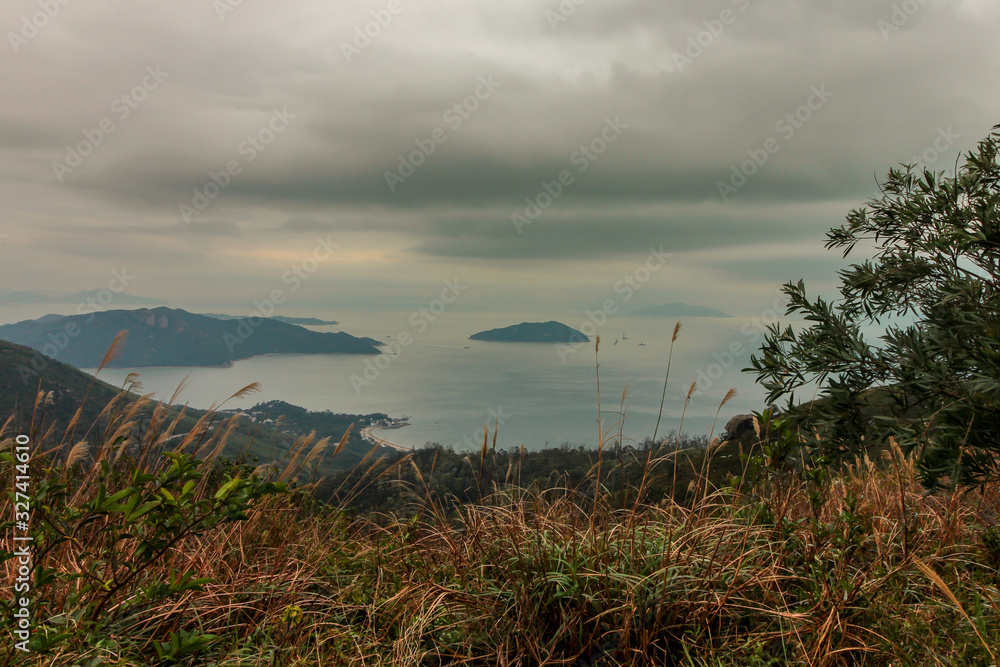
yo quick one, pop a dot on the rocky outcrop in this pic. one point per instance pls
(740, 426)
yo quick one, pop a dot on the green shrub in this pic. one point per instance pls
(932, 381)
(120, 540)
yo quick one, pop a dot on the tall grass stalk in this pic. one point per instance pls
(666, 378)
(865, 569)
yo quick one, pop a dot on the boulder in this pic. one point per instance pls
(739, 426)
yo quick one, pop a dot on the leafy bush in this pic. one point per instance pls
(933, 379)
(106, 533)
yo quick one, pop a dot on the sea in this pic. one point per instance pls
(448, 388)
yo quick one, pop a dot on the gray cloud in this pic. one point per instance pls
(689, 124)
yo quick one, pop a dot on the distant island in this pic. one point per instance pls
(173, 337)
(533, 332)
(301, 321)
(12, 297)
(680, 310)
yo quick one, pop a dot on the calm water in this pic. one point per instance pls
(450, 386)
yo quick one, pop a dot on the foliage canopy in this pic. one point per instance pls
(932, 381)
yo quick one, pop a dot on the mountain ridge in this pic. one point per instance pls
(300, 321)
(167, 337)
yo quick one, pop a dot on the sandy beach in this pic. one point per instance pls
(369, 436)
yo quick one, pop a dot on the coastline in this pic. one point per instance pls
(368, 436)
(228, 364)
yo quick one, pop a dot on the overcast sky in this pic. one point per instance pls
(643, 108)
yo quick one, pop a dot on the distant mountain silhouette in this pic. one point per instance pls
(533, 332)
(680, 310)
(11, 297)
(301, 321)
(172, 337)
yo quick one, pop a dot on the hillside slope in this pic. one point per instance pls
(24, 372)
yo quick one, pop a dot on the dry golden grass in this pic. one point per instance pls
(860, 567)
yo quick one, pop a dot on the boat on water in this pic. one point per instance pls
(641, 344)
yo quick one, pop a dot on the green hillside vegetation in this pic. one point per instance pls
(286, 418)
(454, 478)
(173, 337)
(67, 390)
(24, 372)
